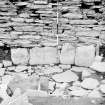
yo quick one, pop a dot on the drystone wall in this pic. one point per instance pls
(55, 48)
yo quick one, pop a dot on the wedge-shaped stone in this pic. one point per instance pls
(85, 55)
(19, 56)
(45, 55)
(67, 54)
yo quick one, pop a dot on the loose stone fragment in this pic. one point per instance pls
(95, 94)
(81, 92)
(51, 70)
(65, 67)
(46, 55)
(90, 83)
(21, 68)
(67, 54)
(19, 55)
(66, 76)
(7, 63)
(85, 55)
(98, 66)
(2, 71)
(102, 88)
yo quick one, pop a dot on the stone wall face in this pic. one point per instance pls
(51, 47)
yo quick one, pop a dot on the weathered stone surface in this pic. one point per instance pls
(46, 55)
(65, 67)
(67, 54)
(2, 71)
(90, 83)
(66, 76)
(51, 70)
(7, 63)
(21, 68)
(44, 83)
(98, 66)
(19, 55)
(102, 88)
(85, 55)
(80, 92)
(95, 94)
(24, 83)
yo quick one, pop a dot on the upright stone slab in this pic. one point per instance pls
(85, 55)
(19, 56)
(67, 54)
(44, 55)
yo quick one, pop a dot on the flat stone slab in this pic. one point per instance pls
(67, 76)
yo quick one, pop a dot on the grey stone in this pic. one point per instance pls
(19, 55)
(85, 55)
(67, 76)
(67, 54)
(46, 55)
(90, 83)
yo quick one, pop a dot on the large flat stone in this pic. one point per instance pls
(19, 56)
(85, 55)
(45, 55)
(67, 54)
(67, 76)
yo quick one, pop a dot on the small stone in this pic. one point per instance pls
(7, 63)
(81, 92)
(79, 69)
(85, 55)
(67, 54)
(90, 83)
(98, 66)
(86, 73)
(21, 68)
(51, 85)
(95, 94)
(51, 70)
(19, 55)
(102, 88)
(11, 68)
(6, 79)
(2, 71)
(65, 67)
(67, 76)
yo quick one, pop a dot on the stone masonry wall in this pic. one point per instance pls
(53, 47)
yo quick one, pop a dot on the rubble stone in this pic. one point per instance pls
(7, 63)
(102, 88)
(98, 66)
